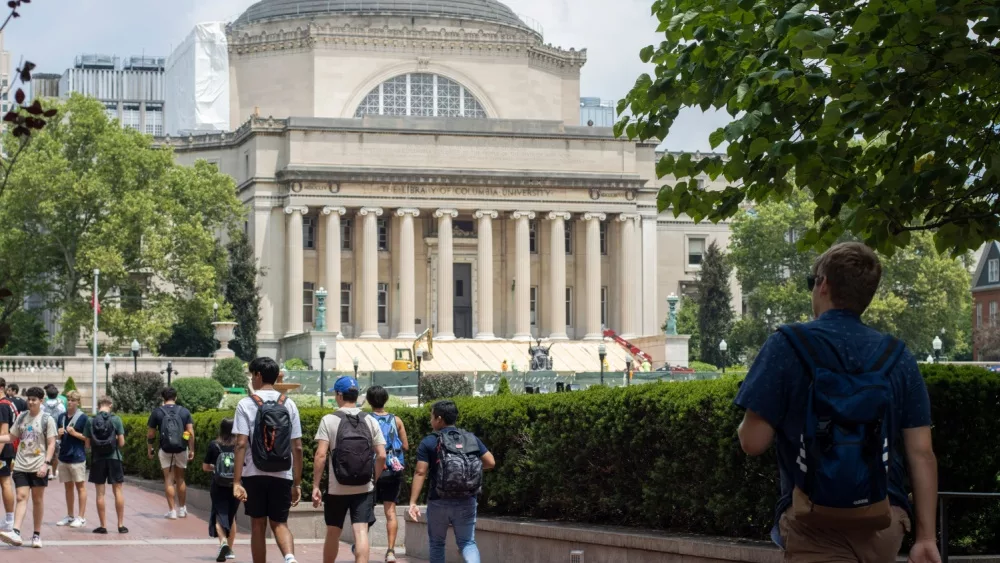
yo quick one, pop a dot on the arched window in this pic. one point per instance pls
(422, 95)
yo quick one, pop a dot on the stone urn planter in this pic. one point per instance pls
(224, 332)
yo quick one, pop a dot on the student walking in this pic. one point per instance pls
(36, 432)
(268, 479)
(8, 414)
(396, 445)
(355, 446)
(220, 461)
(73, 455)
(105, 436)
(455, 460)
(843, 486)
(176, 428)
(19, 402)
(54, 407)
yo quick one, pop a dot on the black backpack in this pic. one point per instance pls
(354, 451)
(459, 472)
(271, 446)
(103, 436)
(171, 431)
(225, 466)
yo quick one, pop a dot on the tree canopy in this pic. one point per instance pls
(803, 82)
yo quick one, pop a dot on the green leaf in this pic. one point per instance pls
(865, 22)
(717, 137)
(646, 53)
(757, 147)
(742, 91)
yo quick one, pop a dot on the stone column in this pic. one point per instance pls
(485, 289)
(294, 263)
(368, 291)
(407, 274)
(446, 275)
(650, 305)
(331, 250)
(630, 274)
(522, 275)
(592, 301)
(557, 275)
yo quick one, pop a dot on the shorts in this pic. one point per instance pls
(31, 480)
(336, 507)
(268, 497)
(387, 490)
(805, 544)
(173, 460)
(73, 472)
(6, 467)
(107, 472)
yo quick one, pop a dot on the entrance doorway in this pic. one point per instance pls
(463, 300)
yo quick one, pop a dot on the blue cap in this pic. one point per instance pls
(345, 383)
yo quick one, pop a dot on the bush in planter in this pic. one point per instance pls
(230, 372)
(504, 387)
(70, 385)
(296, 364)
(198, 394)
(136, 392)
(444, 386)
(702, 366)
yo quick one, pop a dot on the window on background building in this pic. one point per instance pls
(131, 117)
(345, 235)
(604, 238)
(993, 313)
(533, 304)
(569, 238)
(309, 233)
(308, 290)
(421, 95)
(154, 121)
(696, 251)
(112, 111)
(979, 315)
(604, 306)
(246, 166)
(383, 234)
(569, 306)
(383, 303)
(699, 184)
(994, 270)
(533, 237)
(345, 303)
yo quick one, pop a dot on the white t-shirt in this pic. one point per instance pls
(243, 425)
(328, 428)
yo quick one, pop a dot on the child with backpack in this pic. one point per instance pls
(220, 461)
(396, 445)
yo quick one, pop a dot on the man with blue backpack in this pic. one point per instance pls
(849, 412)
(396, 445)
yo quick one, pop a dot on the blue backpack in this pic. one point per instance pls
(395, 459)
(842, 477)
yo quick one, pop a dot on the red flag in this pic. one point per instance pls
(95, 303)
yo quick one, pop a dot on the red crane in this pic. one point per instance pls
(632, 348)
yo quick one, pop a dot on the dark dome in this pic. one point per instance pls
(481, 10)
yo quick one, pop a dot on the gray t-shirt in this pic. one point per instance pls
(34, 432)
(327, 430)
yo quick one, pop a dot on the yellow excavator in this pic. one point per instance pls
(405, 357)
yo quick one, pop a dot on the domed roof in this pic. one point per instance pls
(481, 10)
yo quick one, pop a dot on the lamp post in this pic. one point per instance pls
(356, 362)
(937, 349)
(602, 352)
(135, 356)
(215, 312)
(322, 373)
(170, 372)
(107, 370)
(723, 347)
(419, 360)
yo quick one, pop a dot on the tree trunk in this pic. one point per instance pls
(69, 339)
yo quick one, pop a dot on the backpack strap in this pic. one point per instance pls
(257, 400)
(886, 355)
(282, 399)
(812, 351)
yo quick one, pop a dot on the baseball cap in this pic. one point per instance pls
(345, 383)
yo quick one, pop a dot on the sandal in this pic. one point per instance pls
(122, 530)
(101, 530)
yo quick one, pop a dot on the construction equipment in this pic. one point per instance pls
(405, 357)
(632, 348)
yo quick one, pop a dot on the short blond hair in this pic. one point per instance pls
(73, 395)
(105, 402)
(853, 271)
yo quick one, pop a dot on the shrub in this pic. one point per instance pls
(702, 366)
(504, 387)
(136, 392)
(229, 372)
(296, 364)
(198, 394)
(444, 386)
(70, 385)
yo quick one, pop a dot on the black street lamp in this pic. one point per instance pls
(107, 370)
(135, 356)
(723, 347)
(419, 359)
(937, 349)
(322, 374)
(356, 362)
(170, 372)
(602, 352)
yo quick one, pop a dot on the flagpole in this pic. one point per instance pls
(97, 274)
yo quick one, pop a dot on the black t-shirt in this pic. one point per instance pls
(7, 417)
(156, 418)
(214, 449)
(21, 404)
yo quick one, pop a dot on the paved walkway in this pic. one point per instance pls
(150, 537)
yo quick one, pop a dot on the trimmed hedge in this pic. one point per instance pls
(662, 455)
(444, 386)
(136, 392)
(230, 372)
(198, 394)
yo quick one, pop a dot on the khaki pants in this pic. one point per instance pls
(805, 544)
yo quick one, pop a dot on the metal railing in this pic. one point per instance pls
(943, 498)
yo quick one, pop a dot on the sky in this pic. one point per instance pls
(51, 33)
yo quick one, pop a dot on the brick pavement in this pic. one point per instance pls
(150, 537)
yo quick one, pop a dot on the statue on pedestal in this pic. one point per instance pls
(672, 316)
(321, 310)
(541, 360)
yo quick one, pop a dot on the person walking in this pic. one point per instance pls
(105, 436)
(12, 393)
(36, 433)
(268, 480)
(73, 455)
(358, 456)
(54, 407)
(391, 481)
(843, 486)
(220, 461)
(8, 414)
(176, 428)
(455, 460)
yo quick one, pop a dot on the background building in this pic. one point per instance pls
(131, 89)
(197, 82)
(986, 304)
(595, 112)
(6, 70)
(45, 85)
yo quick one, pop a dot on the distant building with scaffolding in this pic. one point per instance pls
(595, 112)
(131, 89)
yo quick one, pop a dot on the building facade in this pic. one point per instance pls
(426, 167)
(986, 304)
(6, 70)
(131, 89)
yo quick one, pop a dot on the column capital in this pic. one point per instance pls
(407, 211)
(520, 214)
(486, 213)
(591, 216)
(331, 210)
(296, 208)
(376, 211)
(442, 212)
(624, 217)
(552, 216)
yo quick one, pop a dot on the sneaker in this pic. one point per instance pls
(78, 523)
(66, 521)
(231, 555)
(11, 538)
(390, 556)
(52, 476)
(172, 515)
(36, 542)
(223, 551)
(182, 512)
(102, 530)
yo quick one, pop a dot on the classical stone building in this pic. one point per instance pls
(424, 163)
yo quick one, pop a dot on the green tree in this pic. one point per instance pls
(242, 291)
(687, 323)
(192, 336)
(802, 81)
(27, 335)
(92, 195)
(70, 385)
(715, 314)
